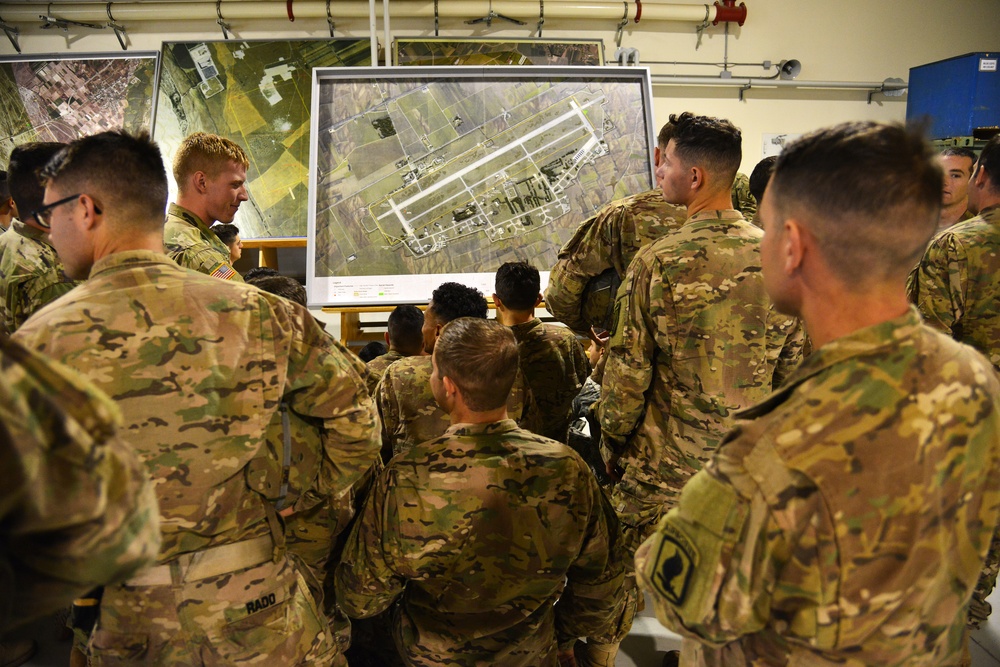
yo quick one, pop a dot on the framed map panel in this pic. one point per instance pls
(424, 175)
(62, 98)
(447, 51)
(257, 93)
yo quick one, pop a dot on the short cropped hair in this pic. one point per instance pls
(959, 151)
(123, 171)
(480, 357)
(518, 285)
(283, 286)
(989, 160)
(226, 233)
(4, 190)
(870, 194)
(205, 152)
(453, 300)
(714, 144)
(26, 161)
(761, 176)
(666, 133)
(259, 272)
(405, 324)
(371, 350)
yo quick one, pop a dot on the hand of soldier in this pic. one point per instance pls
(600, 336)
(614, 471)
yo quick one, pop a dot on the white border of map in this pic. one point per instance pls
(561, 132)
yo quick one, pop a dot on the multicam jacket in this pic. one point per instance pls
(190, 243)
(696, 339)
(477, 532)
(608, 240)
(31, 274)
(846, 521)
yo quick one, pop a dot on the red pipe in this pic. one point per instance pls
(728, 11)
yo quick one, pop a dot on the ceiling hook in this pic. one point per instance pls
(222, 22)
(118, 28)
(12, 33)
(621, 26)
(701, 29)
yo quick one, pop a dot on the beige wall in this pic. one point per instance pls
(841, 40)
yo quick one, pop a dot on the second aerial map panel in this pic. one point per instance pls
(457, 174)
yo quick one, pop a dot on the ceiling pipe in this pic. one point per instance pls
(233, 10)
(671, 80)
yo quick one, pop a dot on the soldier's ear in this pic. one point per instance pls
(538, 300)
(697, 175)
(793, 243)
(450, 388)
(200, 182)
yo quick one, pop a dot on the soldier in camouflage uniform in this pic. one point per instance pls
(742, 198)
(409, 413)
(844, 522)
(606, 242)
(404, 336)
(8, 209)
(211, 174)
(199, 367)
(696, 337)
(955, 287)
(479, 532)
(552, 360)
(30, 272)
(77, 509)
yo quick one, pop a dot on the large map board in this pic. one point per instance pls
(255, 92)
(423, 175)
(62, 98)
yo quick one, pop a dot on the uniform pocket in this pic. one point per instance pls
(116, 648)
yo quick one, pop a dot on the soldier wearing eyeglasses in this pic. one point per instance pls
(31, 274)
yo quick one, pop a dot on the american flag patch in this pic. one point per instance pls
(224, 271)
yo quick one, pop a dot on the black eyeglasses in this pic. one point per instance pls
(44, 215)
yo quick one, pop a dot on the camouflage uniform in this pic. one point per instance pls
(743, 201)
(478, 532)
(955, 284)
(190, 243)
(555, 366)
(77, 510)
(955, 287)
(198, 388)
(31, 274)
(376, 368)
(846, 522)
(695, 340)
(409, 413)
(608, 240)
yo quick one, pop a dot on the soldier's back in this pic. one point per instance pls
(555, 366)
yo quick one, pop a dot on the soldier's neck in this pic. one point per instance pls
(461, 414)
(952, 212)
(511, 317)
(195, 206)
(839, 313)
(709, 201)
(112, 244)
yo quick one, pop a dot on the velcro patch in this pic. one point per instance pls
(223, 271)
(675, 561)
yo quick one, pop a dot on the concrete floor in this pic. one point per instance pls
(644, 647)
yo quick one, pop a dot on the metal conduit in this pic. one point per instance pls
(528, 10)
(667, 79)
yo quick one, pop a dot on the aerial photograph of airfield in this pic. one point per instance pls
(455, 175)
